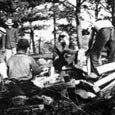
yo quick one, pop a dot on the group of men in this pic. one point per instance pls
(20, 66)
(102, 37)
(9, 39)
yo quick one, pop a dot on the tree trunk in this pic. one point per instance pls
(113, 12)
(54, 23)
(40, 46)
(32, 38)
(96, 9)
(78, 24)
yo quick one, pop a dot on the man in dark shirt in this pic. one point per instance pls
(65, 55)
(11, 39)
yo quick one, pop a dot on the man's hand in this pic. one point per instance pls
(3, 50)
(44, 71)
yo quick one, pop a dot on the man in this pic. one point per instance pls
(65, 55)
(11, 39)
(104, 39)
(22, 68)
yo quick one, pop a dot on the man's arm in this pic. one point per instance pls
(16, 35)
(36, 69)
(3, 42)
(70, 51)
(91, 38)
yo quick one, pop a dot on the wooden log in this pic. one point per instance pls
(105, 80)
(106, 92)
(88, 65)
(109, 86)
(87, 85)
(84, 94)
(106, 68)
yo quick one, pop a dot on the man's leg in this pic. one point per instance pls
(111, 54)
(101, 39)
(13, 51)
(8, 54)
(29, 88)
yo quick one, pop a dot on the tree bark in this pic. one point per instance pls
(78, 24)
(54, 23)
(40, 46)
(96, 9)
(113, 12)
(32, 38)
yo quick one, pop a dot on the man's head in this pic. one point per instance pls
(22, 44)
(64, 39)
(9, 23)
(61, 38)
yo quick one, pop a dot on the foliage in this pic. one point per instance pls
(45, 47)
(25, 10)
(69, 28)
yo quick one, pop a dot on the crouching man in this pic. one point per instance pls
(21, 69)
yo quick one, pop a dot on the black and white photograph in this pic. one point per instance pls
(57, 57)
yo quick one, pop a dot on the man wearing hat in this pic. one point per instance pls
(11, 39)
(22, 68)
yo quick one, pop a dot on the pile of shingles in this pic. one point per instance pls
(104, 86)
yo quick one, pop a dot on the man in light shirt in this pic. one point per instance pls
(105, 38)
(21, 69)
(21, 66)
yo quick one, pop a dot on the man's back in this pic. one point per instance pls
(20, 67)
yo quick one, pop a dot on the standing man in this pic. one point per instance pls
(11, 39)
(105, 38)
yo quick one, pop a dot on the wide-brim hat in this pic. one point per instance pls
(23, 43)
(9, 22)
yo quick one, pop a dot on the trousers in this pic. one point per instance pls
(10, 52)
(105, 38)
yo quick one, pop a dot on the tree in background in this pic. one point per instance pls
(111, 5)
(25, 11)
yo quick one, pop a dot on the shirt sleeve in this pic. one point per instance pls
(3, 41)
(35, 67)
(70, 51)
(16, 35)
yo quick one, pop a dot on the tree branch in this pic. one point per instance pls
(83, 1)
(104, 7)
(68, 3)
